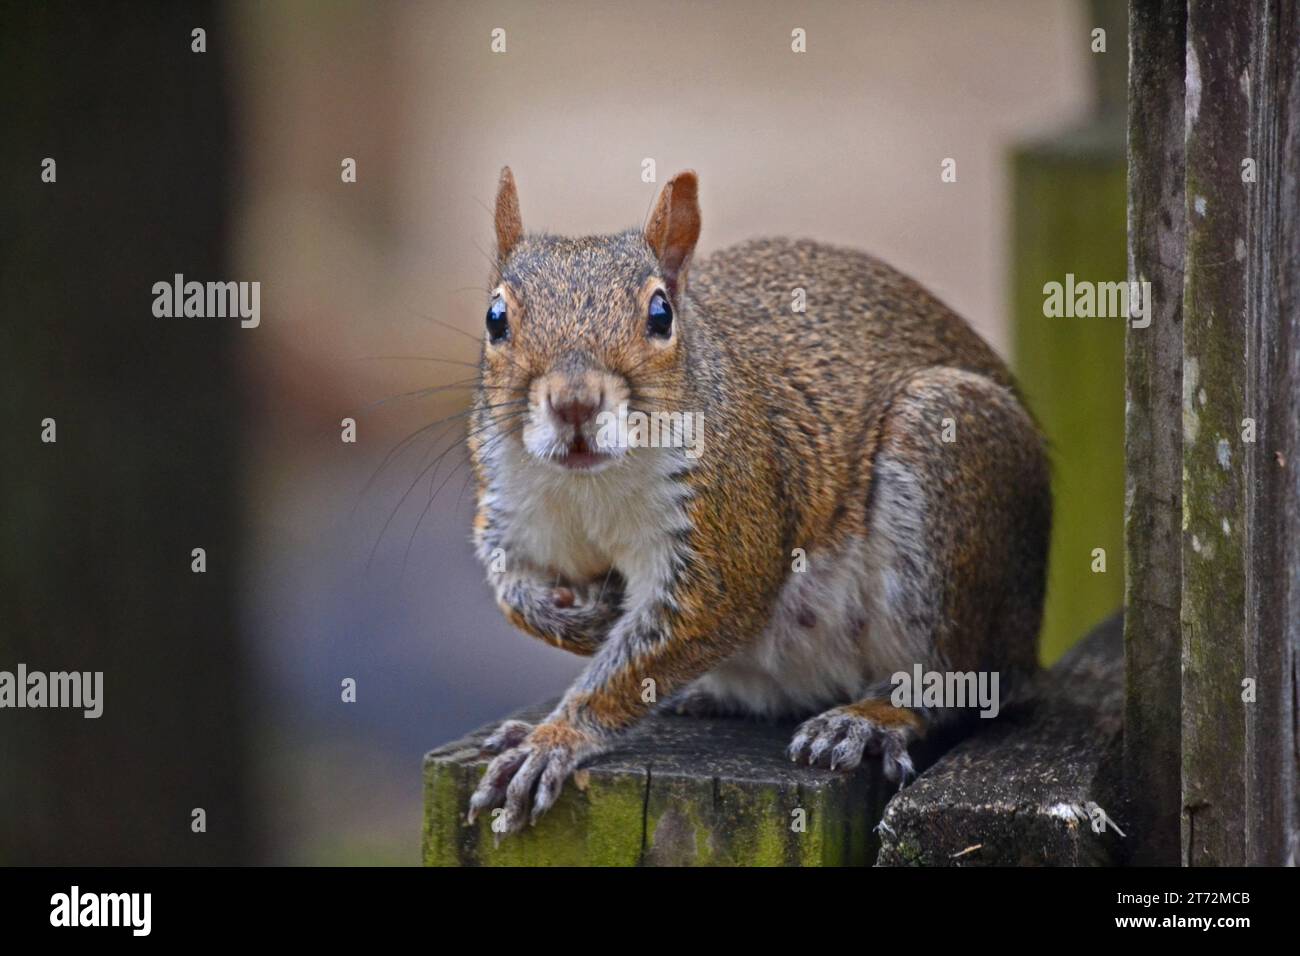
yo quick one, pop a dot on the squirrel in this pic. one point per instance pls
(871, 492)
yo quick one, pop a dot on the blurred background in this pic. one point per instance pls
(331, 560)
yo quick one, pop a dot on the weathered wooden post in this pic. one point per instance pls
(1153, 429)
(681, 792)
(1213, 518)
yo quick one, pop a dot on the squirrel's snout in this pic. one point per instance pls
(566, 426)
(571, 410)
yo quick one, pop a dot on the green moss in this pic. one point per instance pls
(616, 833)
(1214, 555)
(629, 819)
(821, 844)
(442, 802)
(769, 847)
(750, 826)
(599, 826)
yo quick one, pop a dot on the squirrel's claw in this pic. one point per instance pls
(492, 787)
(521, 788)
(549, 786)
(522, 783)
(839, 739)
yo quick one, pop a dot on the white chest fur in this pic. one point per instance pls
(580, 525)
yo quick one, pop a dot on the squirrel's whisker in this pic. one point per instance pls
(416, 393)
(416, 358)
(425, 470)
(490, 418)
(459, 331)
(396, 449)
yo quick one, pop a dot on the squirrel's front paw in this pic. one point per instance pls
(575, 617)
(526, 780)
(840, 737)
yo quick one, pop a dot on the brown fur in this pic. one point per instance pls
(509, 224)
(885, 714)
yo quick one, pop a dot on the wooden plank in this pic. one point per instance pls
(1272, 478)
(1239, 528)
(1153, 431)
(1215, 513)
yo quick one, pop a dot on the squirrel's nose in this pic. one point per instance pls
(574, 411)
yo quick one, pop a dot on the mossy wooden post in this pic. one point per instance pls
(680, 792)
(1069, 196)
(1153, 430)
(1239, 505)
(1215, 222)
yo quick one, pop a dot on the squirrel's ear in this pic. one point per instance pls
(509, 226)
(675, 227)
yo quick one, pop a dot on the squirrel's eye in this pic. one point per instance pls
(660, 319)
(497, 324)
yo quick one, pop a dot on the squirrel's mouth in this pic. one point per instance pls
(580, 456)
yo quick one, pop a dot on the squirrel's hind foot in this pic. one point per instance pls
(697, 703)
(840, 737)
